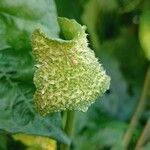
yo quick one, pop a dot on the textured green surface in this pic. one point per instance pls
(68, 75)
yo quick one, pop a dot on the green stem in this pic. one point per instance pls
(144, 136)
(138, 111)
(64, 119)
(69, 128)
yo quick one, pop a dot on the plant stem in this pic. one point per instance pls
(144, 136)
(64, 119)
(138, 111)
(68, 127)
(69, 123)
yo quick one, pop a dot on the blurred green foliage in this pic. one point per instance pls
(119, 33)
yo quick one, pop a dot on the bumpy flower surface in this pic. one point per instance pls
(68, 76)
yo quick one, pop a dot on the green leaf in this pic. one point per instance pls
(18, 19)
(36, 142)
(99, 129)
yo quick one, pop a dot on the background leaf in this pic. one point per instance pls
(18, 19)
(36, 142)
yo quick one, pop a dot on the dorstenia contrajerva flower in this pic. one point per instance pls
(68, 76)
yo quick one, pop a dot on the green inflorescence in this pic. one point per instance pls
(68, 76)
